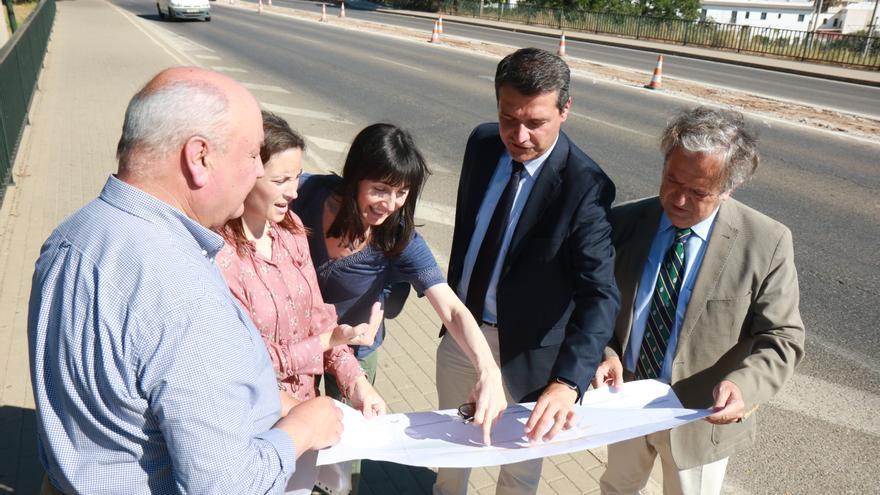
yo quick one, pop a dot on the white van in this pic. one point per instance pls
(184, 9)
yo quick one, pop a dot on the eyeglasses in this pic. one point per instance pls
(466, 411)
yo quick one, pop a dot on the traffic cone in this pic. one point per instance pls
(657, 78)
(260, 7)
(435, 33)
(440, 24)
(561, 50)
(323, 12)
(342, 10)
(270, 3)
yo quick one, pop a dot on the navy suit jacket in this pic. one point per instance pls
(557, 297)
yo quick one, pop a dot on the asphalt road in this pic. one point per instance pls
(820, 435)
(818, 92)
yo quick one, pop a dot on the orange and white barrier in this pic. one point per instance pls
(657, 77)
(260, 7)
(561, 50)
(342, 10)
(323, 12)
(435, 33)
(440, 24)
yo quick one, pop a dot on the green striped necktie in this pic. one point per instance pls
(661, 318)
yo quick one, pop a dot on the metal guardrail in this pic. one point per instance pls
(833, 48)
(21, 59)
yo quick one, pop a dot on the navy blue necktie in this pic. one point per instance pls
(488, 254)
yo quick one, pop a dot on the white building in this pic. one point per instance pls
(781, 14)
(848, 18)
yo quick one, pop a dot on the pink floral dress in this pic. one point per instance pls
(284, 301)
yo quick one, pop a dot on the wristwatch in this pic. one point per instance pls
(567, 383)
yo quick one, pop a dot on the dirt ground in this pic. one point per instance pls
(844, 123)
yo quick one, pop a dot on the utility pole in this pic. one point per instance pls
(873, 25)
(816, 16)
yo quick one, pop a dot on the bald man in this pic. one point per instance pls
(147, 376)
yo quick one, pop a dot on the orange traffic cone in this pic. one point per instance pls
(657, 78)
(561, 50)
(440, 24)
(260, 7)
(323, 12)
(435, 34)
(342, 10)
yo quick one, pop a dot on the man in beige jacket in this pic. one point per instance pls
(709, 304)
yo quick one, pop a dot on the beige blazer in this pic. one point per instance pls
(742, 322)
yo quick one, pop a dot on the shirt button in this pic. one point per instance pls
(204, 252)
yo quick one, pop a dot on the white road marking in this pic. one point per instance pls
(614, 126)
(206, 57)
(329, 144)
(221, 68)
(265, 87)
(831, 402)
(435, 212)
(302, 112)
(410, 67)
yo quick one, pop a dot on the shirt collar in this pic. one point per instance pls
(132, 200)
(701, 229)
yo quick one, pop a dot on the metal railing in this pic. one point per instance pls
(851, 50)
(21, 59)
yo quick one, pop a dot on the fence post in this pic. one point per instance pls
(687, 29)
(501, 10)
(638, 27)
(561, 16)
(11, 14)
(808, 40)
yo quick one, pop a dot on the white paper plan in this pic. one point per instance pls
(442, 439)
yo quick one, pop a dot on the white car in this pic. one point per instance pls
(184, 9)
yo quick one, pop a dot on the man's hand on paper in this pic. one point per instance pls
(729, 406)
(312, 425)
(609, 373)
(554, 407)
(366, 399)
(488, 394)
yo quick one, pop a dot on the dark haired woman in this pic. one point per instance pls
(369, 242)
(267, 266)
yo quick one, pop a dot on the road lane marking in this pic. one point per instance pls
(614, 126)
(221, 68)
(206, 57)
(830, 402)
(435, 212)
(264, 87)
(329, 144)
(302, 112)
(400, 64)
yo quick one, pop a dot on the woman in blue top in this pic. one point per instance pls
(369, 241)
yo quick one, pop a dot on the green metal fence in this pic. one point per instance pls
(20, 61)
(834, 48)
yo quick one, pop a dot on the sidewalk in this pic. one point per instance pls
(64, 159)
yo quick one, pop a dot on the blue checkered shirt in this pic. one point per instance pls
(147, 376)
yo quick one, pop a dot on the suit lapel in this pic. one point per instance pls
(547, 187)
(479, 172)
(632, 254)
(721, 243)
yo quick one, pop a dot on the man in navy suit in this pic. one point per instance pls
(531, 257)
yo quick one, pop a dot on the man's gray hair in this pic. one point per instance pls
(160, 120)
(720, 133)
